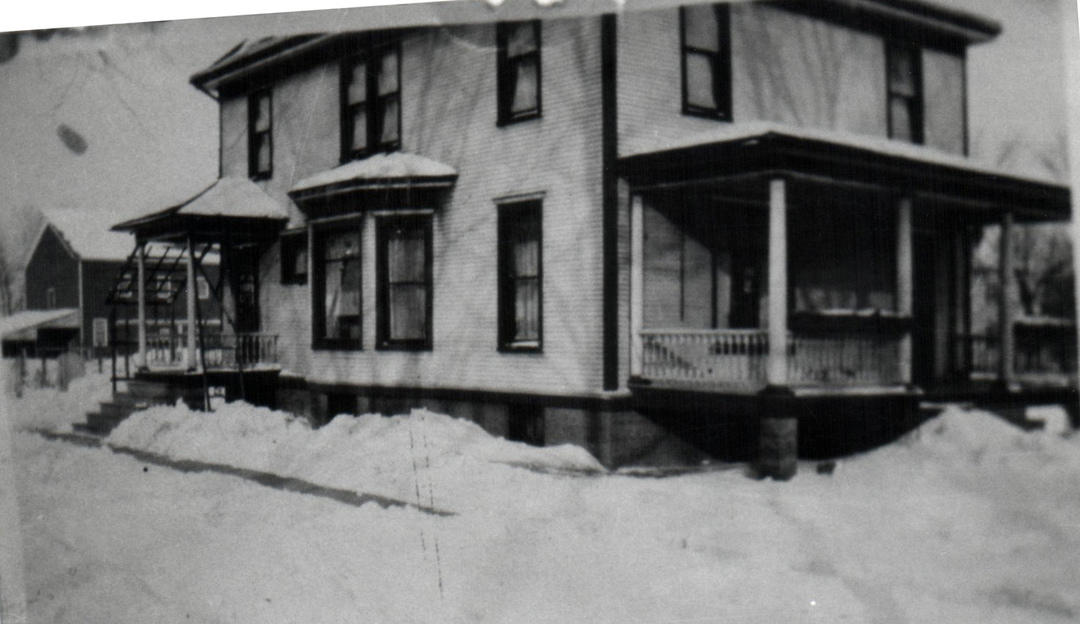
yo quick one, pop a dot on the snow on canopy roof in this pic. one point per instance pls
(729, 132)
(226, 197)
(32, 319)
(87, 233)
(395, 167)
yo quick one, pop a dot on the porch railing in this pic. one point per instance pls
(740, 356)
(219, 350)
(1038, 350)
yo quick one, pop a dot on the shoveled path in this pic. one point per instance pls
(268, 479)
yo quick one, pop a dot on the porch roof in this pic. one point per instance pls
(761, 149)
(23, 325)
(236, 205)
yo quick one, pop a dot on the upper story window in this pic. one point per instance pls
(336, 293)
(294, 258)
(404, 282)
(706, 60)
(520, 276)
(905, 96)
(519, 71)
(50, 298)
(260, 135)
(371, 103)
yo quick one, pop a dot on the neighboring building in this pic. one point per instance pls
(568, 229)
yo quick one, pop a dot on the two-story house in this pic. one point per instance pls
(662, 234)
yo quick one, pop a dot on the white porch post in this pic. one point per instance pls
(904, 283)
(192, 293)
(637, 284)
(140, 259)
(1005, 302)
(778, 283)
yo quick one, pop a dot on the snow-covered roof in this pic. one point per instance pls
(747, 131)
(87, 233)
(32, 319)
(226, 197)
(395, 168)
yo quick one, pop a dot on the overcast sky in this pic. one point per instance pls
(152, 138)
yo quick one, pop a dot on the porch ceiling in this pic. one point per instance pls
(896, 169)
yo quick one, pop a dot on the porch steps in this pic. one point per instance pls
(139, 396)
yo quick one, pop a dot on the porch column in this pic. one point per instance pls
(1005, 302)
(637, 284)
(904, 283)
(140, 259)
(776, 374)
(192, 293)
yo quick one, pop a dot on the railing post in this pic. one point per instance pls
(192, 293)
(637, 284)
(140, 258)
(904, 280)
(1005, 301)
(778, 283)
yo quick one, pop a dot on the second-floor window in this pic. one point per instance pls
(518, 71)
(260, 135)
(905, 98)
(706, 60)
(371, 103)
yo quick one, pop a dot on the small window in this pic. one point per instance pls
(518, 71)
(165, 289)
(336, 296)
(520, 276)
(905, 98)
(525, 423)
(101, 332)
(404, 272)
(294, 258)
(203, 288)
(706, 61)
(371, 103)
(260, 136)
(50, 298)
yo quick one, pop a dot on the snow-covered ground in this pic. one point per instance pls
(966, 520)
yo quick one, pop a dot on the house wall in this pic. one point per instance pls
(52, 265)
(448, 82)
(786, 68)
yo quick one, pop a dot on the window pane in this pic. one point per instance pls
(526, 256)
(299, 261)
(342, 303)
(358, 83)
(408, 312)
(263, 141)
(405, 256)
(359, 129)
(527, 310)
(702, 30)
(900, 111)
(262, 114)
(388, 73)
(902, 72)
(700, 81)
(340, 245)
(526, 83)
(389, 134)
(521, 39)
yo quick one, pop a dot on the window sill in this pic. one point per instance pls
(336, 345)
(294, 281)
(519, 118)
(715, 115)
(531, 346)
(403, 346)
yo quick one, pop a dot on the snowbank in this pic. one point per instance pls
(397, 456)
(56, 410)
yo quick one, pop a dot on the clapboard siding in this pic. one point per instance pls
(449, 114)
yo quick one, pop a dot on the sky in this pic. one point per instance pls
(151, 138)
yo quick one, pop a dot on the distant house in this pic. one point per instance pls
(661, 234)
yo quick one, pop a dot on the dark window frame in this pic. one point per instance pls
(510, 215)
(721, 65)
(383, 224)
(506, 66)
(374, 104)
(915, 103)
(318, 291)
(254, 136)
(291, 245)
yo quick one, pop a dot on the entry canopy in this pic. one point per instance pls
(233, 208)
(24, 325)
(738, 154)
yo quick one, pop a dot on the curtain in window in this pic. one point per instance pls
(342, 286)
(406, 257)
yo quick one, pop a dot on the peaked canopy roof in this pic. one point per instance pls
(232, 207)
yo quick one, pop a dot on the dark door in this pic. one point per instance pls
(746, 280)
(245, 283)
(940, 308)
(923, 351)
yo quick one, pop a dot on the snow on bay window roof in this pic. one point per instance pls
(392, 170)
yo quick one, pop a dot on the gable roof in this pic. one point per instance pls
(86, 233)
